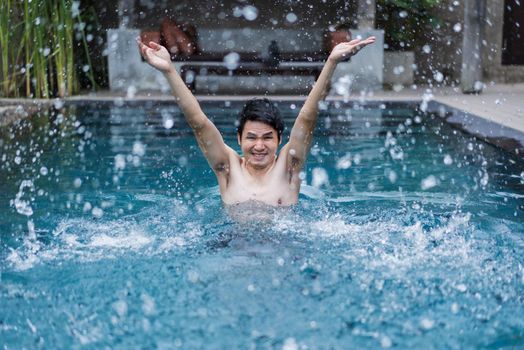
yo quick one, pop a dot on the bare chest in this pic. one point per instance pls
(274, 189)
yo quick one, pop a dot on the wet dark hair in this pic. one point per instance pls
(261, 110)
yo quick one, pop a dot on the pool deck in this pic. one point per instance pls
(496, 113)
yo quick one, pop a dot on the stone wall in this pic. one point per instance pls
(445, 43)
(494, 70)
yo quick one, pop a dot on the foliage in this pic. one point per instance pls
(38, 48)
(406, 23)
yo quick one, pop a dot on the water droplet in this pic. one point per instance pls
(291, 17)
(78, 182)
(448, 160)
(290, 344)
(231, 60)
(169, 123)
(438, 76)
(454, 308)
(193, 276)
(429, 182)
(426, 323)
(386, 342)
(462, 287)
(97, 212)
(120, 162)
(457, 27)
(426, 48)
(139, 149)
(320, 177)
(120, 308)
(250, 12)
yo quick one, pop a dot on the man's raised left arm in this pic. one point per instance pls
(302, 131)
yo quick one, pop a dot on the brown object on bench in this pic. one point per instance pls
(176, 41)
(332, 39)
(150, 35)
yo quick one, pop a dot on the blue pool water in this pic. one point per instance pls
(408, 234)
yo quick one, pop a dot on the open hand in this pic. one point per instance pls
(156, 55)
(348, 49)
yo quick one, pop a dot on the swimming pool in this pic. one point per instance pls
(408, 234)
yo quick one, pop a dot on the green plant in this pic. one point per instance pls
(406, 23)
(37, 44)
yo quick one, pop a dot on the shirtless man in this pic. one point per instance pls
(259, 174)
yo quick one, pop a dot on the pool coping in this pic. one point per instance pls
(502, 136)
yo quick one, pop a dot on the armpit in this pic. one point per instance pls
(221, 167)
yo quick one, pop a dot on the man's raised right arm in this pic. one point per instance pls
(208, 137)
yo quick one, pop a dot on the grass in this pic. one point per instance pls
(37, 48)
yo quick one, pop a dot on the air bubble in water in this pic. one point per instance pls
(44, 171)
(403, 14)
(86, 68)
(457, 27)
(448, 160)
(426, 48)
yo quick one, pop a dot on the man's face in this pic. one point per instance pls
(259, 144)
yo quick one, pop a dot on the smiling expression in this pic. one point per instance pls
(259, 144)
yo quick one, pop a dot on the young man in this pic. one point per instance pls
(259, 174)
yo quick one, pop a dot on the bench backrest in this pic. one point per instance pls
(251, 40)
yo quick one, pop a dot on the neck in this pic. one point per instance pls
(257, 172)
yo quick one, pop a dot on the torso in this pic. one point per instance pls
(278, 187)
